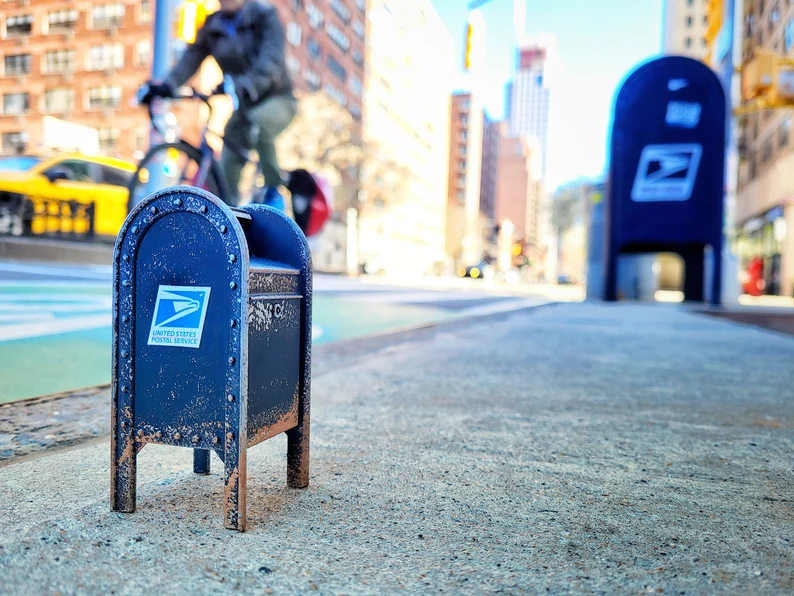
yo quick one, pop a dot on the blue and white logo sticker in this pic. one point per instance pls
(179, 315)
(667, 172)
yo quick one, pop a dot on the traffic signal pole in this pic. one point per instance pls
(161, 63)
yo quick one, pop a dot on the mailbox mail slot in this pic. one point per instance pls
(211, 339)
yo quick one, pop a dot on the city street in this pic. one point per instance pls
(55, 321)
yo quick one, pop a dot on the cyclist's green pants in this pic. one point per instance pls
(267, 119)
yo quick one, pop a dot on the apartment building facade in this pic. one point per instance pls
(406, 136)
(684, 26)
(764, 209)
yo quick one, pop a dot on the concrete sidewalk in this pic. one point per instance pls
(571, 449)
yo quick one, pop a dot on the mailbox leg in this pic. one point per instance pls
(201, 461)
(123, 473)
(298, 455)
(235, 480)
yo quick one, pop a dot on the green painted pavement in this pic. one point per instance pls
(49, 364)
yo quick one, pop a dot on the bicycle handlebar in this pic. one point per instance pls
(191, 94)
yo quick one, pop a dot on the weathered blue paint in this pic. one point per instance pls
(248, 379)
(646, 116)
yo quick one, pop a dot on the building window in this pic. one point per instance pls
(143, 52)
(58, 61)
(335, 94)
(294, 34)
(16, 103)
(312, 78)
(774, 16)
(61, 21)
(355, 111)
(784, 131)
(17, 64)
(689, 2)
(766, 151)
(314, 49)
(688, 42)
(59, 101)
(105, 57)
(108, 16)
(141, 138)
(336, 68)
(108, 138)
(357, 57)
(359, 29)
(341, 9)
(315, 16)
(293, 64)
(689, 21)
(751, 165)
(336, 34)
(362, 4)
(104, 97)
(14, 141)
(19, 25)
(145, 11)
(356, 86)
(705, 20)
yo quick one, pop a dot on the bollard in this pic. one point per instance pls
(211, 339)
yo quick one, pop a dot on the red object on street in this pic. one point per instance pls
(755, 273)
(312, 201)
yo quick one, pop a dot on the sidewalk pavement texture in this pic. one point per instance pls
(578, 448)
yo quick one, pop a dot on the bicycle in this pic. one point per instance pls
(312, 196)
(188, 164)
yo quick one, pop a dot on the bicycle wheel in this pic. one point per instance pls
(176, 163)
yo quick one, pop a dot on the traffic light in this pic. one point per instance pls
(191, 16)
(467, 61)
(714, 14)
(767, 82)
(475, 38)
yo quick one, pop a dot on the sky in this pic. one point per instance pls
(599, 43)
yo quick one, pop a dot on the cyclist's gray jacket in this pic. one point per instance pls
(254, 57)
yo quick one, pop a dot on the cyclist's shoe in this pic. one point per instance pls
(272, 197)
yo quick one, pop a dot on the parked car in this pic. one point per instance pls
(43, 194)
(477, 271)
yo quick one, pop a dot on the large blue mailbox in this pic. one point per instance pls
(667, 170)
(211, 338)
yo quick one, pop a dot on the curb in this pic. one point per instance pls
(56, 251)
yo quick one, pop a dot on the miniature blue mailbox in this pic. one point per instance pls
(211, 339)
(667, 170)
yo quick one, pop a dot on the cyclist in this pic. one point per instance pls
(246, 39)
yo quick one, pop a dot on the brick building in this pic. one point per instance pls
(82, 61)
(464, 224)
(77, 61)
(325, 47)
(518, 185)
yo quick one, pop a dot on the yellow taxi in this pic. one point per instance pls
(45, 195)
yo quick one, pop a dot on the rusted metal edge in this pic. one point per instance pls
(283, 424)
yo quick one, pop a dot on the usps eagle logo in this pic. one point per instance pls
(179, 315)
